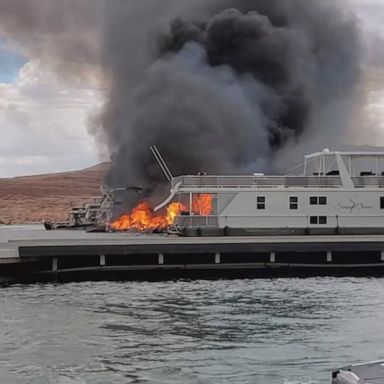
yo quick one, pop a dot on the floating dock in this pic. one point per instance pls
(32, 254)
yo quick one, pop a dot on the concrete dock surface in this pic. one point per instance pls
(68, 251)
(13, 236)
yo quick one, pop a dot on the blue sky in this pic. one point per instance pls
(10, 64)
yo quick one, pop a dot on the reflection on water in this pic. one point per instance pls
(239, 331)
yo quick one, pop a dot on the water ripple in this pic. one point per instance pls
(286, 331)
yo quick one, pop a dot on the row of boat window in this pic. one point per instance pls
(318, 219)
(337, 173)
(294, 201)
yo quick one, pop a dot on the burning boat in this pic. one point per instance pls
(144, 218)
(337, 193)
(162, 218)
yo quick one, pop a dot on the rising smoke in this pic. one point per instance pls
(227, 85)
(222, 86)
(63, 35)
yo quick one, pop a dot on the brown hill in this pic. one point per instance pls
(47, 197)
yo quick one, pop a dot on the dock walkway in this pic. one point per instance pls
(31, 252)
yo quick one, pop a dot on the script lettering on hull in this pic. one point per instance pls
(353, 205)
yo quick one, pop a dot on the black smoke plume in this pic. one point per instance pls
(222, 86)
(226, 85)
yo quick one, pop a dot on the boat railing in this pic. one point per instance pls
(198, 221)
(368, 181)
(256, 181)
(274, 181)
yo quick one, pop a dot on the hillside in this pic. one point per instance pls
(47, 197)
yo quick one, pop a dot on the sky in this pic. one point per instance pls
(44, 119)
(44, 123)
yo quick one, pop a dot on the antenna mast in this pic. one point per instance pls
(161, 162)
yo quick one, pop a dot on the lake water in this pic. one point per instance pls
(225, 331)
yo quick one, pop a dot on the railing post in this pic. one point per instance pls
(329, 256)
(161, 258)
(382, 255)
(272, 257)
(102, 260)
(55, 265)
(190, 203)
(217, 258)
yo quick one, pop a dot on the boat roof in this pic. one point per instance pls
(327, 152)
(318, 172)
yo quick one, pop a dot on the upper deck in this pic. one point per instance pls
(324, 169)
(241, 182)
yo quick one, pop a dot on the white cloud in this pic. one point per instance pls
(43, 124)
(371, 16)
(370, 11)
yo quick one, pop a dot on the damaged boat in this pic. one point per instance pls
(94, 215)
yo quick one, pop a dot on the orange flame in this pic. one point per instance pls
(202, 205)
(143, 218)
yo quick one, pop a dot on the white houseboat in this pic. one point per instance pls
(337, 193)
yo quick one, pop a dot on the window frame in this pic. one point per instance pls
(313, 220)
(318, 200)
(318, 220)
(293, 202)
(323, 220)
(322, 200)
(313, 200)
(260, 202)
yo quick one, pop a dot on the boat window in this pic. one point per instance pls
(313, 219)
(318, 200)
(333, 173)
(293, 202)
(323, 200)
(260, 202)
(322, 219)
(382, 202)
(318, 220)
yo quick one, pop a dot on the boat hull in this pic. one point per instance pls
(218, 232)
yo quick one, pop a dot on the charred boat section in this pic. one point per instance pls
(81, 216)
(96, 215)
